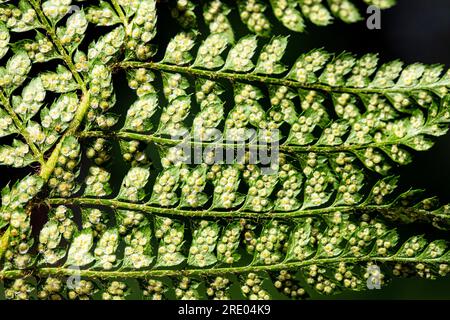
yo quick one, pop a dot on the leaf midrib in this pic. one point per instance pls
(252, 77)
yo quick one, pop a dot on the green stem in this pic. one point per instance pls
(23, 131)
(49, 166)
(386, 210)
(116, 204)
(4, 242)
(294, 266)
(79, 115)
(286, 148)
(121, 14)
(211, 74)
(360, 209)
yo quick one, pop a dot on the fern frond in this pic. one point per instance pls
(259, 15)
(230, 167)
(374, 114)
(326, 254)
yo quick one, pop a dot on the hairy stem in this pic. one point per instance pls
(79, 115)
(116, 204)
(23, 131)
(360, 209)
(294, 266)
(193, 143)
(265, 79)
(121, 14)
(49, 166)
(4, 242)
